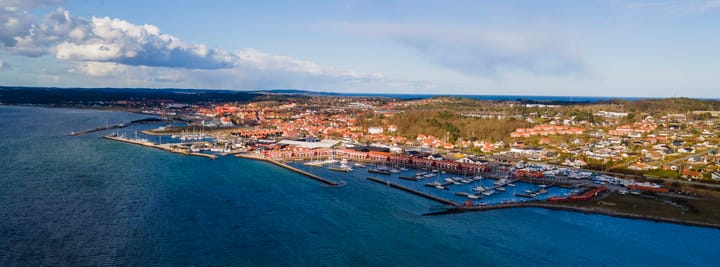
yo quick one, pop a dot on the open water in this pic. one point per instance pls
(90, 201)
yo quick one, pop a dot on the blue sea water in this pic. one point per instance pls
(90, 201)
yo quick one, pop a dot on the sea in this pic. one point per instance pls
(84, 200)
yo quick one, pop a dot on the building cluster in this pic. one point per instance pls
(545, 130)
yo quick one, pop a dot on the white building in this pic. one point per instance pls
(375, 130)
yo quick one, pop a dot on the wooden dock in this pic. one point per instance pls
(428, 196)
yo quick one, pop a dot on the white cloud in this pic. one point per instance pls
(13, 23)
(108, 49)
(478, 52)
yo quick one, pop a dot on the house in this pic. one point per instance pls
(467, 160)
(435, 157)
(687, 173)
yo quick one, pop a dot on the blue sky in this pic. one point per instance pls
(597, 48)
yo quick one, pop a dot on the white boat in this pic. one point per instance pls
(511, 184)
(314, 163)
(449, 180)
(473, 196)
(393, 170)
(488, 193)
(466, 181)
(403, 169)
(479, 188)
(501, 189)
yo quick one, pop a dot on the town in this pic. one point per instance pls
(661, 153)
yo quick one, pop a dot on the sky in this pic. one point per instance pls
(656, 48)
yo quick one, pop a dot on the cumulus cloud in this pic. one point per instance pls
(106, 48)
(481, 52)
(13, 23)
(115, 40)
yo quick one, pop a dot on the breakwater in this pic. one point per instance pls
(563, 207)
(281, 164)
(117, 126)
(164, 147)
(406, 189)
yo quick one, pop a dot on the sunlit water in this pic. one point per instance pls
(89, 201)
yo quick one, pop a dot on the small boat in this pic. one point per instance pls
(440, 187)
(511, 185)
(449, 180)
(488, 193)
(479, 188)
(403, 169)
(456, 183)
(462, 194)
(528, 191)
(465, 181)
(473, 196)
(316, 163)
(359, 165)
(341, 169)
(501, 189)
(393, 170)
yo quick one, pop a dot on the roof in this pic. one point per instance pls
(325, 143)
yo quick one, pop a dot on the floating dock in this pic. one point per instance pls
(413, 191)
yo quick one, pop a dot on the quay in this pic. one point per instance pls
(165, 147)
(281, 164)
(412, 191)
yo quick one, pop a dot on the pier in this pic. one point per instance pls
(413, 191)
(281, 164)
